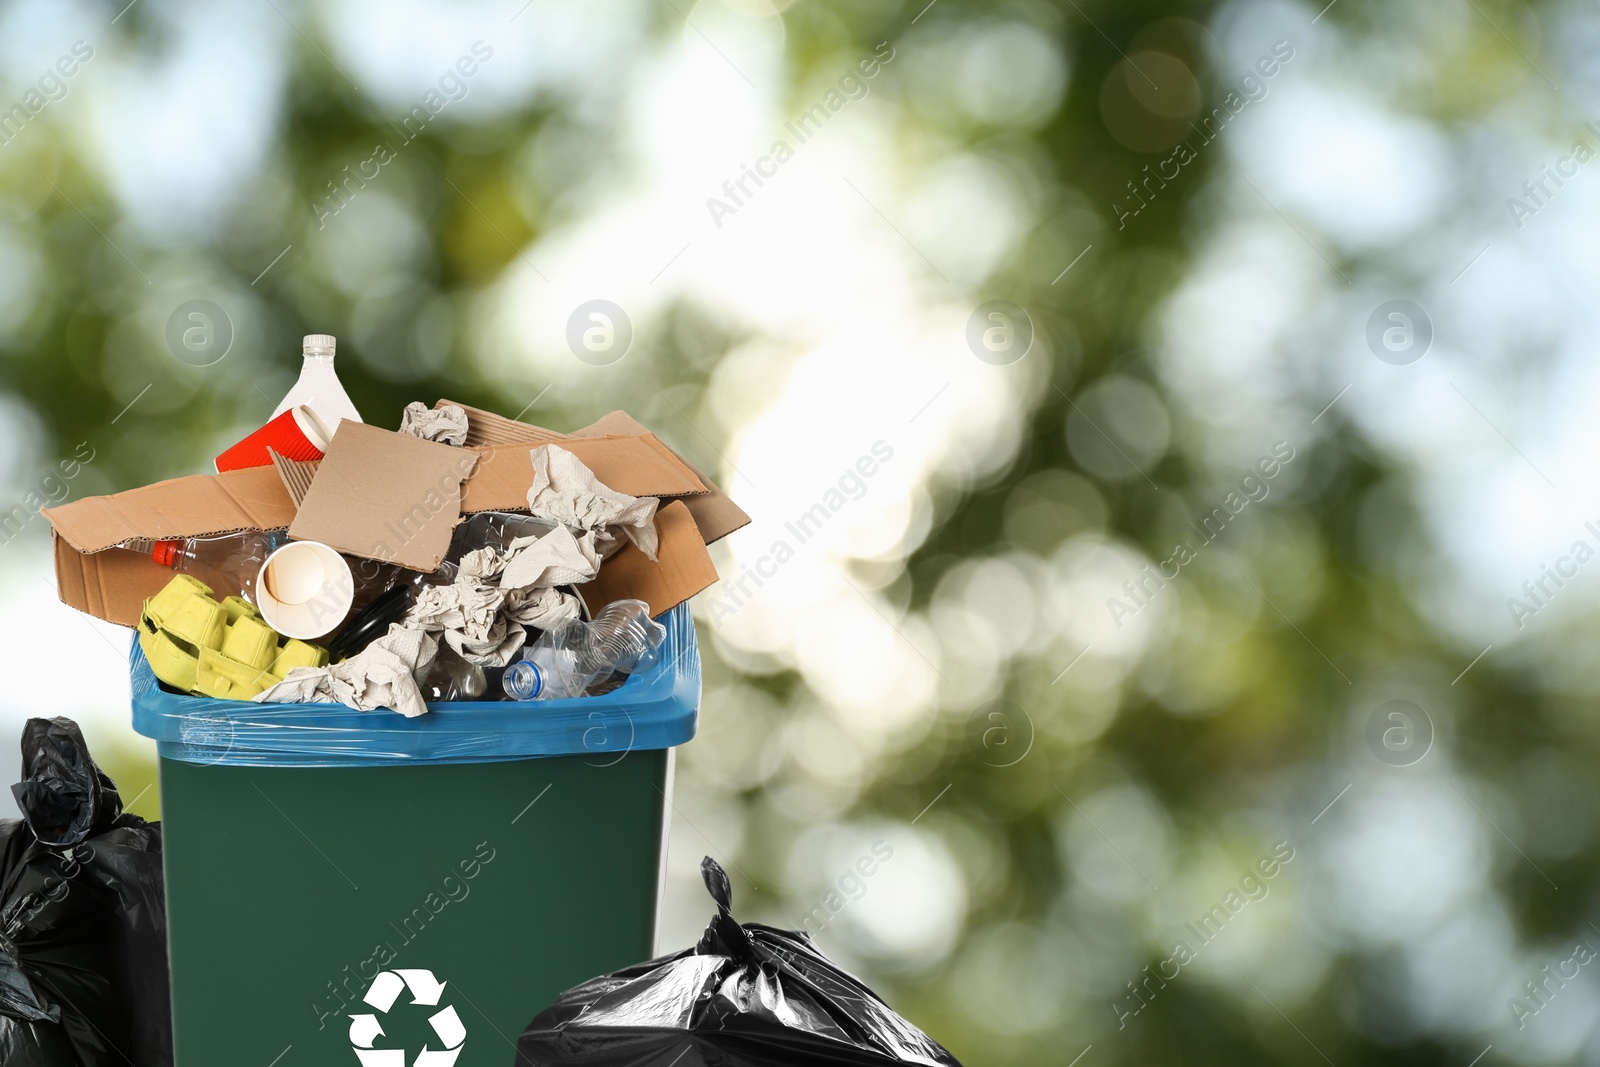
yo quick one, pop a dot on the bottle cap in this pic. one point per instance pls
(165, 553)
(524, 681)
(317, 344)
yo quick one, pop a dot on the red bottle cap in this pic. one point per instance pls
(166, 553)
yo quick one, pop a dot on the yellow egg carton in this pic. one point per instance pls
(225, 650)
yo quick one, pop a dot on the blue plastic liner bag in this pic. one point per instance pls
(745, 996)
(653, 709)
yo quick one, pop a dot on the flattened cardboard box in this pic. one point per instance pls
(112, 583)
(386, 496)
(714, 511)
(638, 465)
(681, 563)
(195, 506)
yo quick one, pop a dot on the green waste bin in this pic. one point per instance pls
(360, 888)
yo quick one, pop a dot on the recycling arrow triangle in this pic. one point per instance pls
(425, 989)
(447, 1024)
(364, 1030)
(385, 988)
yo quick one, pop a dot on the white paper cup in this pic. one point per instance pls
(305, 590)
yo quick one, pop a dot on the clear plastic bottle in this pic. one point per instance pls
(453, 678)
(568, 659)
(495, 529)
(318, 387)
(623, 637)
(228, 563)
(486, 529)
(547, 669)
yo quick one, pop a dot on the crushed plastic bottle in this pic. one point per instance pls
(495, 529)
(453, 678)
(623, 637)
(486, 529)
(318, 387)
(567, 660)
(543, 671)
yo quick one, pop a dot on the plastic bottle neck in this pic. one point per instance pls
(167, 553)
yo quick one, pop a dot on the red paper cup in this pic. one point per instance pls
(296, 434)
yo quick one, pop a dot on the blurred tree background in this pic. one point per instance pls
(1205, 560)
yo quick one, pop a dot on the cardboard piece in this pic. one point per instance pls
(297, 474)
(683, 567)
(386, 496)
(96, 576)
(196, 506)
(111, 585)
(639, 466)
(714, 512)
(485, 428)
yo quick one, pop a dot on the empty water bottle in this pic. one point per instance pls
(228, 563)
(545, 670)
(495, 529)
(623, 637)
(453, 678)
(569, 658)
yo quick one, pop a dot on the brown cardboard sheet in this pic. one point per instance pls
(110, 585)
(386, 496)
(638, 465)
(195, 506)
(714, 511)
(683, 567)
(486, 428)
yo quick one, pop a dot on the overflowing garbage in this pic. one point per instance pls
(517, 596)
(745, 996)
(83, 959)
(461, 557)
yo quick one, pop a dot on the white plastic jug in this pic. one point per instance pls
(318, 387)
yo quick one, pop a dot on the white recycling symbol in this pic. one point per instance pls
(425, 990)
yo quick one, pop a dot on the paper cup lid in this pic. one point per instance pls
(305, 590)
(314, 428)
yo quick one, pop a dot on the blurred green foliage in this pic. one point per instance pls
(483, 193)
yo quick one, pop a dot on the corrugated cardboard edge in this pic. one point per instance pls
(195, 506)
(110, 585)
(296, 474)
(715, 513)
(638, 465)
(486, 428)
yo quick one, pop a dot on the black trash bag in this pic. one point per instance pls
(83, 938)
(745, 996)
